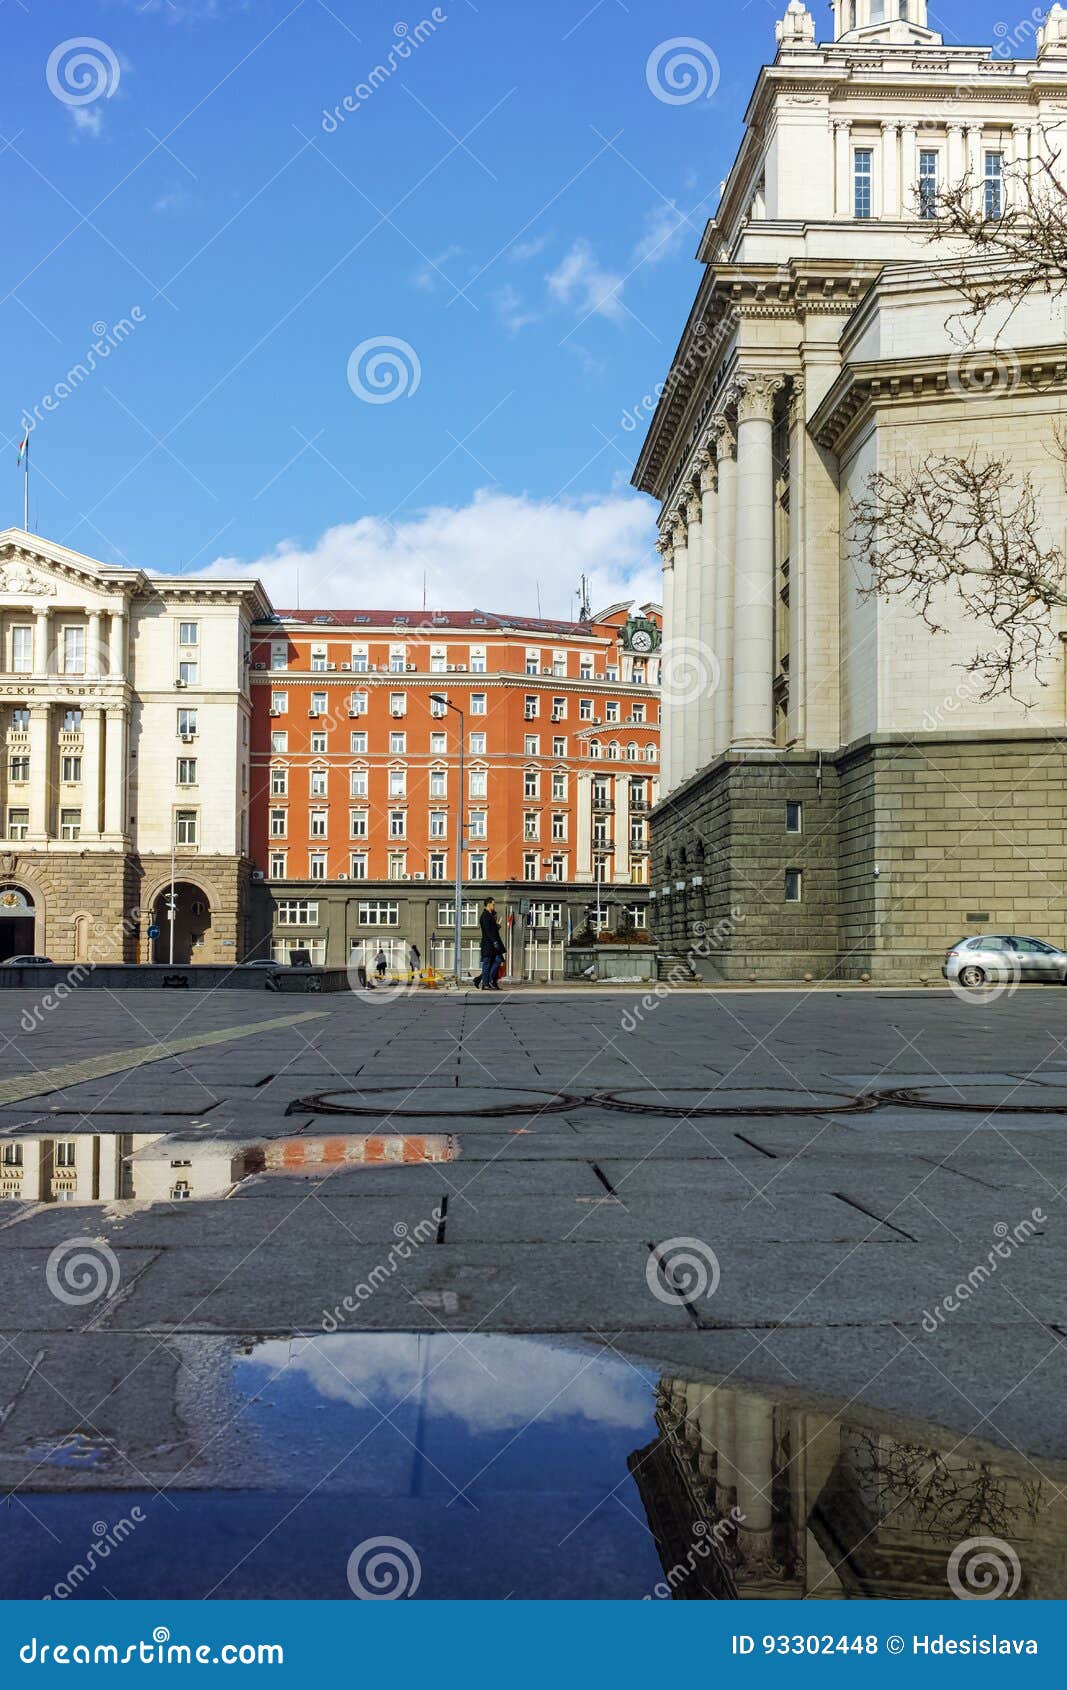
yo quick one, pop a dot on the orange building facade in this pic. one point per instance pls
(355, 786)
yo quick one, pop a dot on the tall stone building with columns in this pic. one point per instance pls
(838, 798)
(125, 712)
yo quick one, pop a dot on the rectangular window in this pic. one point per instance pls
(476, 865)
(794, 886)
(318, 704)
(398, 865)
(357, 865)
(438, 744)
(398, 744)
(863, 170)
(438, 663)
(189, 674)
(319, 780)
(559, 709)
(357, 704)
(559, 747)
(438, 783)
(188, 633)
(559, 787)
(585, 666)
(74, 651)
(186, 771)
(276, 865)
(283, 949)
(186, 830)
(398, 658)
(298, 912)
(529, 865)
(438, 824)
(559, 663)
(398, 824)
(794, 816)
(532, 745)
(559, 825)
(398, 783)
(279, 744)
(318, 659)
(994, 186)
(318, 743)
(20, 768)
(928, 165)
(18, 824)
(477, 660)
(585, 709)
(557, 867)
(533, 661)
(477, 745)
(359, 660)
(317, 865)
(22, 650)
(478, 824)
(479, 783)
(187, 722)
(438, 865)
(532, 706)
(357, 744)
(398, 704)
(72, 720)
(357, 824)
(279, 654)
(637, 712)
(379, 913)
(278, 824)
(531, 825)
(446, 914)
(72, 770)
(546, 915)
(70, 824)
(438, 707)
(611, 710)
(317, 821)
(357, 783)
(531, 784)
(279, 703)
(479, 702)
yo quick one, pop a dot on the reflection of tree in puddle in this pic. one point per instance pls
(829, 1506)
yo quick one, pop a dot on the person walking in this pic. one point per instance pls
(380, 964)
(492, 947)
(414, 960)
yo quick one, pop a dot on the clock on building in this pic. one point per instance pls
(641, 635)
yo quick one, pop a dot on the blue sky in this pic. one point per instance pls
(511, 202)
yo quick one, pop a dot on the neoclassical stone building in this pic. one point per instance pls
(838, 798)
(124, 749)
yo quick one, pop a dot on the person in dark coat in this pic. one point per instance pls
(492, 947)
(380, 964)
(414, 959)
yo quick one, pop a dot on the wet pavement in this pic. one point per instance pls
(551, 1294)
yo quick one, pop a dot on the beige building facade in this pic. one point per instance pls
(838, 796)
(125, 715)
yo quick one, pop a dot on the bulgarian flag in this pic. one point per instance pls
(24, 446)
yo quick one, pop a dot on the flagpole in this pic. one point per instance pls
(26, 488)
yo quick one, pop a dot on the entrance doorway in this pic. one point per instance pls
(18, 923)
(192, 924)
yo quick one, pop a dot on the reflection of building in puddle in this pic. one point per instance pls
(159, 1168)
(831, 1507)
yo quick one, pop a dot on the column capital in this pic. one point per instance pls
(680, 524)
(844, 123)
(693, 509)
(796, 401)
(909, 125)
(709, 471)
(722, 439)
(665, 547)
(889, 123)
(756, 392)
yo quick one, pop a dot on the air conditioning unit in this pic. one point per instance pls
(405, 877)
(461, 668)
(276, 714)
(331, 666)
(418, 875)
(450, 668)
(188, 739)
(179, 682)
(261, 665)
(257, 874)
(342, 877)
(347, 666)
(409, 668)
(546, 671)
(557, 715)
(314, 714)
(353, 715)
(397, 714)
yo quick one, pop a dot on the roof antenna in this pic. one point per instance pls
(585, 609)
(537, 584)
(424, 590)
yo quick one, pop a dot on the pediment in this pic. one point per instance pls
(37, 571)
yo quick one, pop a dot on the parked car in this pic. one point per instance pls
(1005, 956)
(22, 961)
(258, 962)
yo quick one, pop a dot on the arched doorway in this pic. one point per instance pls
(18, 923)
(192, 924)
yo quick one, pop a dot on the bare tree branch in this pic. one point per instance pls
(1025, 248)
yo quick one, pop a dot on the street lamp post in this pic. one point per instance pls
(439, 698)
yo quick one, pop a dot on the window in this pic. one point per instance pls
(398, 824)
(585, 709)
(398, 783)
(20, 768)
(438, 865)
(319, 781)
(863, 164)
(11, 1156)
(446, 914)
(637, 712)
(602, 793)
(357, 865)
(476, 865)
(546, 915)
(357, 783)
(357, 824)
(611, 673)
(794, 816)
(359, 660)
(532, 745)
(631, 751)
(438, 707)
(531, 825)
(585, 666)
(187, 722)
(72, 720)
(477, 745)
(559, 709)
(18, 824)
(611, 710)
(477, 660)
(398, 865)
(70, 824)
(317, 824)
(877, 11)
(637, 833)
(438, 824)
(478, 824)
(529, 865)
(438, 783)
(398, 659)
(532, 706)
(72, 770)
(283, 949)
(651, 754)
(438, 744)
(276, 865)
(318, 743)
(279, 703)
(357, 704)
(398, 704)
(66, 1155)
(317, 865)
(479, 786)
(379, 913)
(559, 825)
(398, 744)
(186, 771)
(278, 824)
(185, 827)
(318, 704)
(927, 185)
(639, 672)
(298, 912)
(279, 744)
(794, 886)
(189, 674)
(559, 787)
(279, 654)
(479, 701)
(557, 866)
(357, 743)
(74, 651)
(559, 747)
(531, 784)
(438, 660)
(188, 633)
(601, 830)
(318, 659)
(22, 650)
(994, 186)
(533, 661)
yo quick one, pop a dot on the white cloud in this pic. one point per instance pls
(88, 120)
(511, 310)
(428, 277)
(580, 282)
(523, 251)
(665, 230)
(493, 553)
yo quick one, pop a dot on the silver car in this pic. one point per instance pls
(1005, 956)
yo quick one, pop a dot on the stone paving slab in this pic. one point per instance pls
(31, 1306)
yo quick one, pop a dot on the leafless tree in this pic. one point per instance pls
(1004, 259)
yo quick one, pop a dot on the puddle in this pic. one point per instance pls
(493, 1466)
(162, 1168)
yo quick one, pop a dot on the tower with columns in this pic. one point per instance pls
(836, 796)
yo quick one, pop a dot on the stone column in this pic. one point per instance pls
(117, 643)
(975, 164)
(754, 587)
(584, 851)
(622, 829)
(91, 766)
(692, 691)
(843, 166)
(705, 631)
(42, 649)
(666, 732)
(725, 448)
(115, 773)
(956, 165)
(909, 171)
(673, 680)
(890, 172)
(93, 652)
(40, 770)
(1015, 189)
(798, 583)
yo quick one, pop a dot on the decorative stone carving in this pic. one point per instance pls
(796, 401)
(1052, 35)
(709, 471)
(722, 437)
(16, 578)
(756, 392)
(797, 28)
(693, 508)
